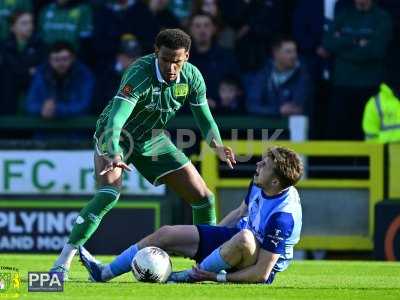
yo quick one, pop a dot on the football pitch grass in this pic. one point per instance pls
(306, 280)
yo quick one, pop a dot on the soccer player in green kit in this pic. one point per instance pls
(151, 91)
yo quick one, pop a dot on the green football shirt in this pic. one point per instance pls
(155, 101)
(57, 23)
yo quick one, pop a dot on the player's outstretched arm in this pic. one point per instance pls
(210, 133)
(120, 112)
(231, 219)
(257, 273)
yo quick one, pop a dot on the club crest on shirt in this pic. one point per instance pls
(127, 90)
(181, 89)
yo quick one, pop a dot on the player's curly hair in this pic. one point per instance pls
(287, 165)
(173, 39)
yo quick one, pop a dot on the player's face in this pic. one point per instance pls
(171, 62)
(61, 61)
(265, 177)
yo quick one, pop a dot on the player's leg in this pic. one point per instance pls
(239, 252)
(189, 185)
(180, 239)
(164, 163)
(107, 194)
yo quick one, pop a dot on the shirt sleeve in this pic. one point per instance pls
(278, 229)
(132, 85)
(197, 94)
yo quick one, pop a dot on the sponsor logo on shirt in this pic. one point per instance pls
(276, 239)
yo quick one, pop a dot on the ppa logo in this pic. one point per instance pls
(45, 282)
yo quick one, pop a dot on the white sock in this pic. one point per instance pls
(66, 256)
(106, 273)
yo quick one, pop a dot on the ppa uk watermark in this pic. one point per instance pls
(155, 144)
(45, 282)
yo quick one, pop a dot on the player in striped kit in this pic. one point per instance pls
(128, 131)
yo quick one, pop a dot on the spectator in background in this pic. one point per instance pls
(66, 20)
(162, 15)
(21, 53)
(109, 81)
(213, 61)
(359, 39)
(226, 35)
(181, 10)
(7, 8)
(260, 21)
(309, 24)
(381, 119)
(392, 61)
(62, 87)
(230, 96)
(113, 19)
(283, 87)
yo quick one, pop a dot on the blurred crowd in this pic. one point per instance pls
(322, 58)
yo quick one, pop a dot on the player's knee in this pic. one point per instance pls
(246, 241)
(163, 236)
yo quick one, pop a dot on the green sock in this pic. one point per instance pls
(203, 211)
(90, 216)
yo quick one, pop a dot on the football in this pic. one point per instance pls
(151, 264)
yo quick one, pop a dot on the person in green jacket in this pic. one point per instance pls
(65, 21)
(7, 8)
(381, 120)
(358, 39)
(129, 130)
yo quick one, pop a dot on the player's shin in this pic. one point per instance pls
(121, 264)
(66, 256)
(215, 262)
(90, 216)
(204, 211)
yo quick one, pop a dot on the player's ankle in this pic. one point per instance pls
(106, 273)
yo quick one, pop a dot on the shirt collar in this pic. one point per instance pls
(159, 76)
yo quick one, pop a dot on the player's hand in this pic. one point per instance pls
(226, 154)
(48, 109)
(201, 275)
(115, 163)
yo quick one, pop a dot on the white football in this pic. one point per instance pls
(151, 264)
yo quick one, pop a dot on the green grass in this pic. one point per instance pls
(303, 280)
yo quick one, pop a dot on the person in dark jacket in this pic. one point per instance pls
(21, 53)
(108, 81)
(283, 87)
(113, 19)
(62, 87)
(258, 25)
(358, 39)
(213, 61)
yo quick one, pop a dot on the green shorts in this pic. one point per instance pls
(153, 158)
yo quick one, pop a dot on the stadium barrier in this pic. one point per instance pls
(394, 171)
(374, 184)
